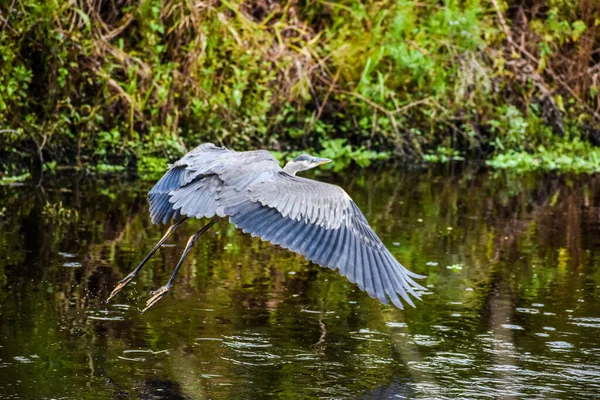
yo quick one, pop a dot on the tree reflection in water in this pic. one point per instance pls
(512, 307)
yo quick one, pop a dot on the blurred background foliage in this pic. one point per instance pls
(126, 84)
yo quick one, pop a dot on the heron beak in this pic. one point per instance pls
(321, 161)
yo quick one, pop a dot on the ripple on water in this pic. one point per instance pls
(25, 360)
(210, 376)
(528, 310)
(134, 359)
(560, 346)
(426, 340)
(594, 351)
(583, 372)
(106, 315)
(372, 361)
(588, 322)
(308, 311)
(146, 351)
(454, 358)
(442, 328)
(73, 264)
(120, 306)
(208, 339)
(446, 363)
(512, 327)
(142, 355)
(509, 384)
(251, 350)
(303, 356)
(369, 334)
(396, 324)
(549, 328)
(246, 342)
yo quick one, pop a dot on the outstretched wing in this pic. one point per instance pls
(190, 167)
(192, 185)
(321, 222)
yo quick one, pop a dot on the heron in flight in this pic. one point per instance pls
(316, 219)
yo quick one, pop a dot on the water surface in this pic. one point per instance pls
(512, 307)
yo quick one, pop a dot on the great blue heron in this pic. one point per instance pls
(316, 219)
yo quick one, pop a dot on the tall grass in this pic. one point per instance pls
(92, 83)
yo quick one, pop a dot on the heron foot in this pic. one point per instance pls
(120, 286)
(157, 295)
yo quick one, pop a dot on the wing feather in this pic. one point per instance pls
(377, 274)
(295, 242)
(366, 271)
(316, 202)
(161, 210)
(351, 269)
(341, 258)
(332, 249)
(321, 246)
(348, 248)
(198, 198)
(312, 246)
(265, 223)
(195, 184)
(278, 224)
(191, 166)
(386, 279)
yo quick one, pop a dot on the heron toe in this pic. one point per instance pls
(122, 283)
(157, 295)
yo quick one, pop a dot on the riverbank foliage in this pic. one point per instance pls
(127, 83)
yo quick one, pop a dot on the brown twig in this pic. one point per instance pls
(538, 81)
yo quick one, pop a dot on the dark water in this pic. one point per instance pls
(512, 308)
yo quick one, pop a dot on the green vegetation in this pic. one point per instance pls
(125, 85)
(573, 156)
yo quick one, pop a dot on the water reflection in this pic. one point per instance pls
(510, 311)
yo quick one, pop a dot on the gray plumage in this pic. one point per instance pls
(316, 219)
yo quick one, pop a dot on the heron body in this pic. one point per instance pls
(315, 219)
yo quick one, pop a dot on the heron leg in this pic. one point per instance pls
(133, 273)
(159, 293)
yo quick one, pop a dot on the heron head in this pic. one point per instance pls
(304, 162)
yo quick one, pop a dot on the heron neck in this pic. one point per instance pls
(291, 168)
